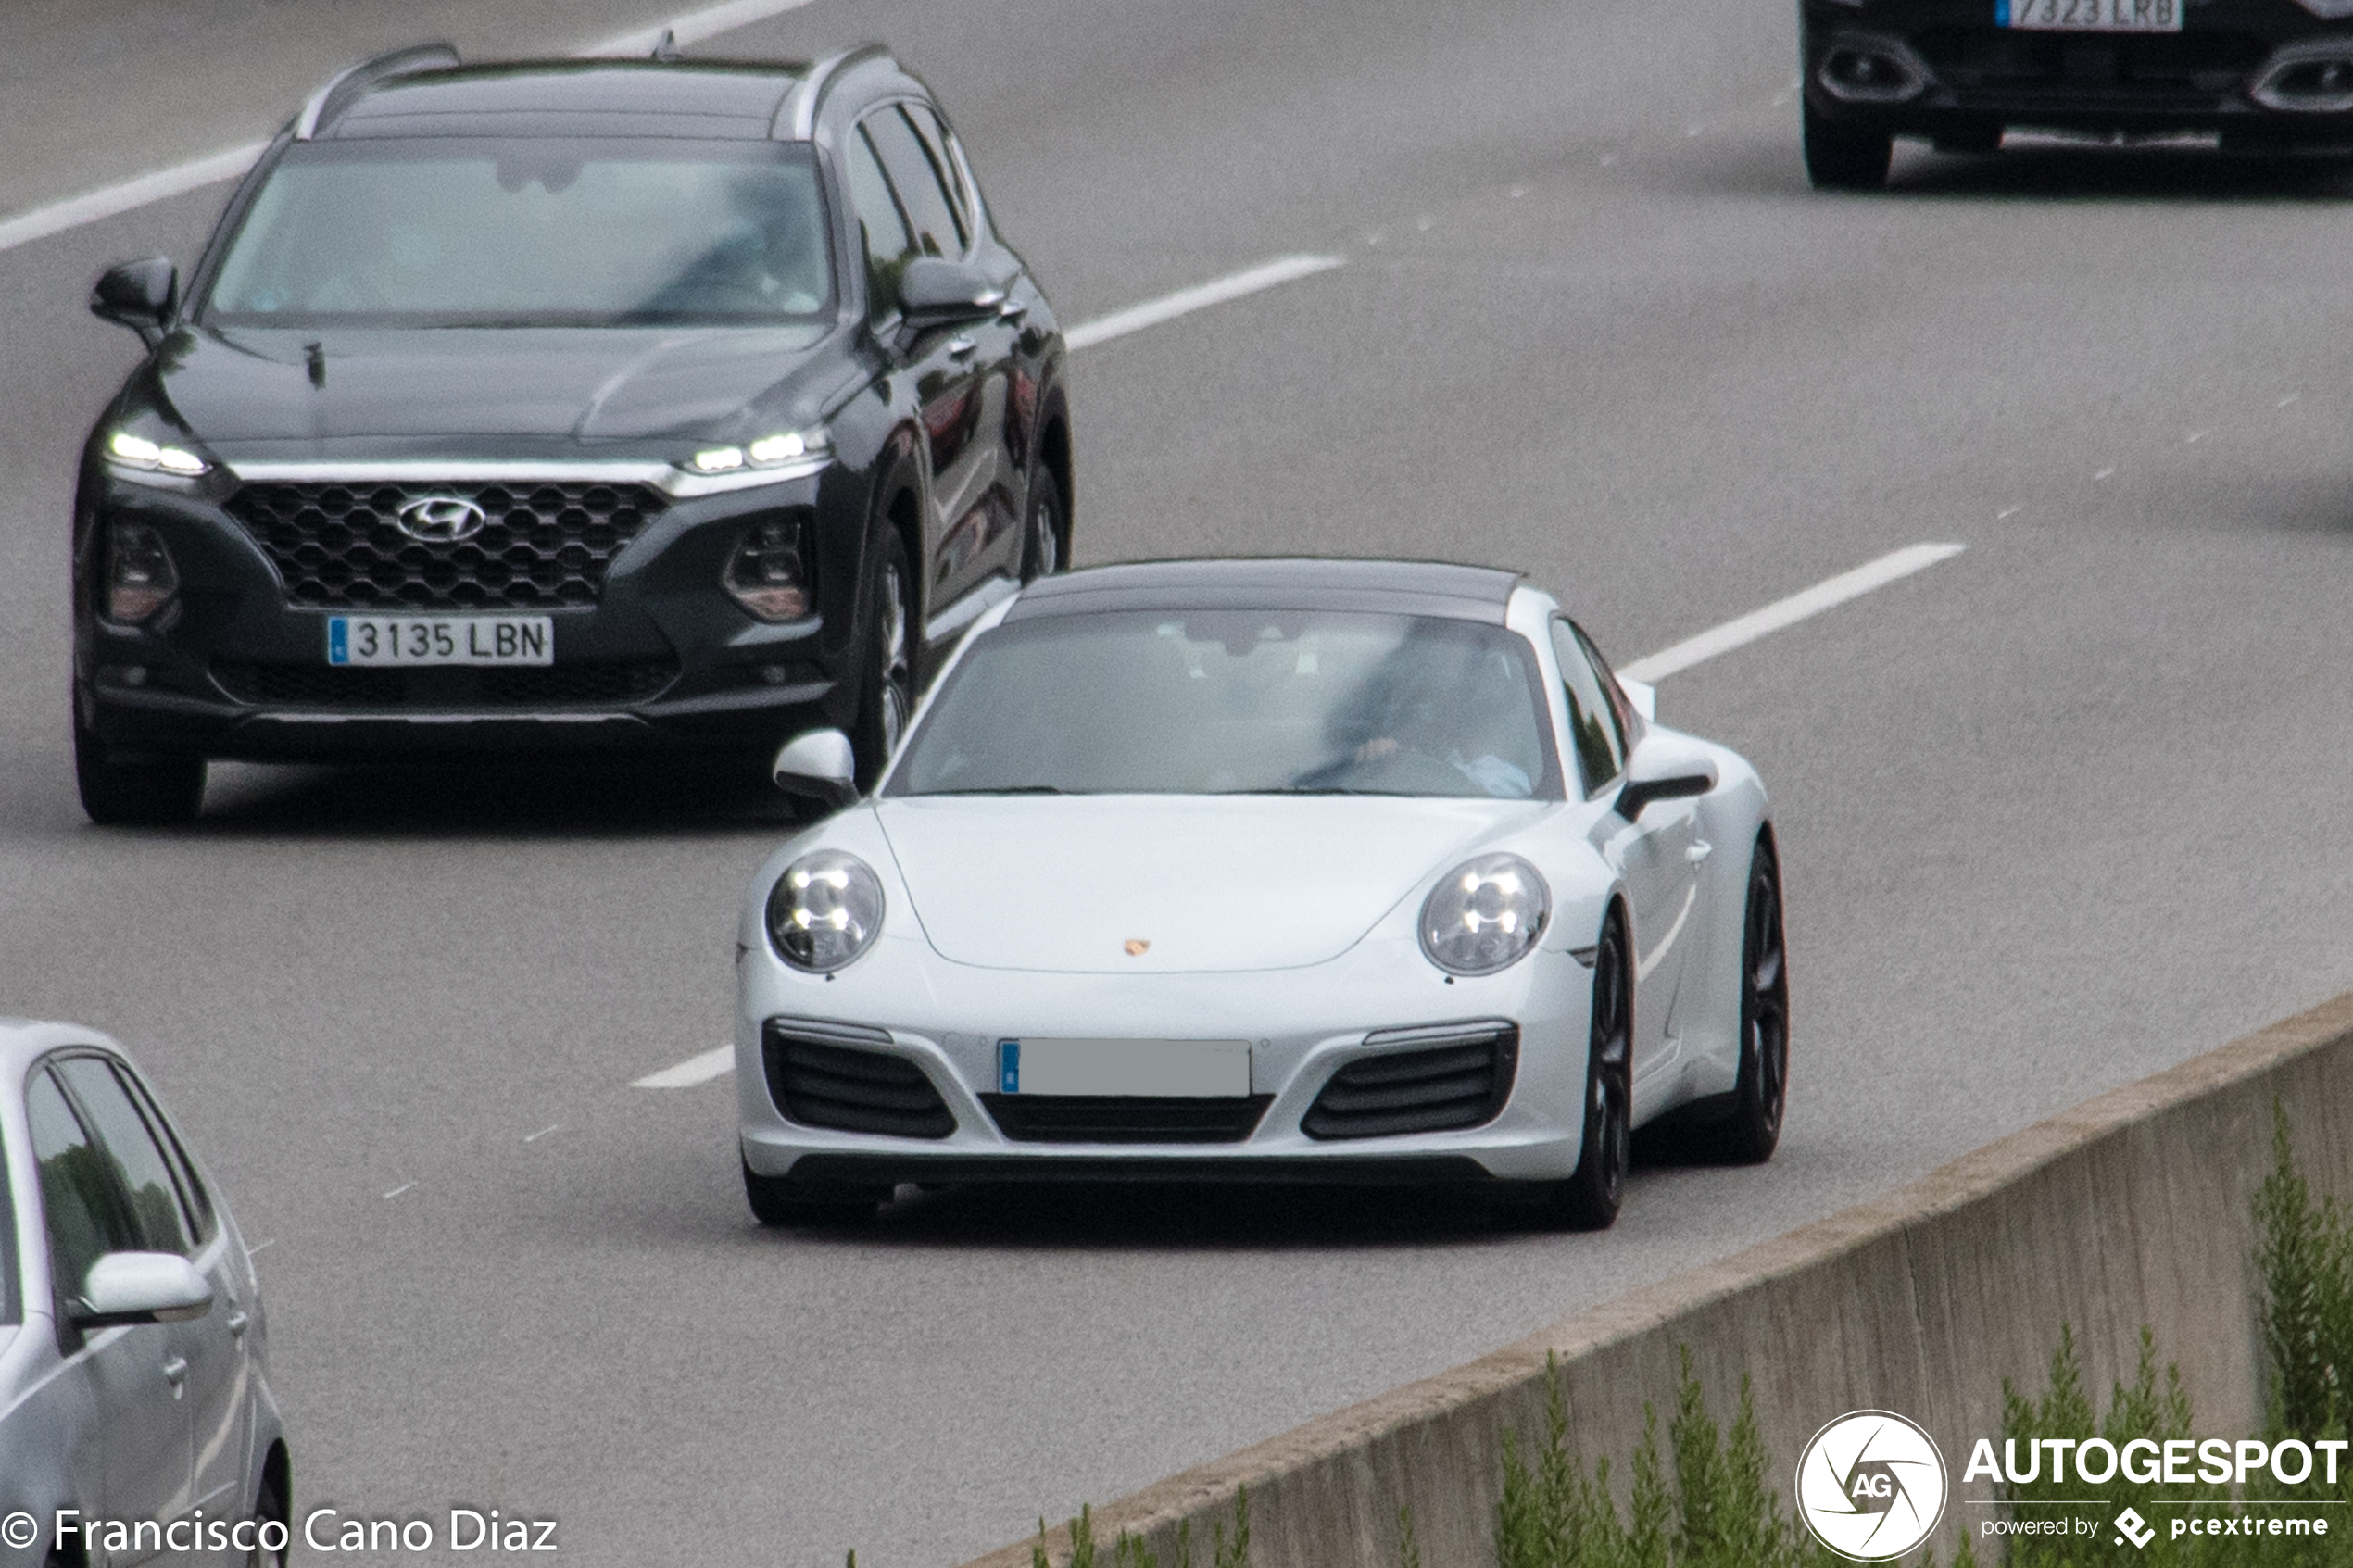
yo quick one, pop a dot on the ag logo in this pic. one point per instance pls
(441, 520)
(1871, 1486)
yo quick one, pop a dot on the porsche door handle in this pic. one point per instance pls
(1700, 850)
(175, 1370)
(961, 347)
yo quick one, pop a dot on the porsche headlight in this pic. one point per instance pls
(824, 911)
(1485, 915)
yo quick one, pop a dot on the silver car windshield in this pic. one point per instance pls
(1237, 702)
(506, 231)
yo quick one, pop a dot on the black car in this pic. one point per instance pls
(572, 404)
(2268, 75)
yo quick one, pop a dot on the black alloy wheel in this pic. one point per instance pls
(1042, 550)
(889, 695)
(1749, 1135)
(780, 1202)
(144, 792)
(1590, 1199)
(1840, 155)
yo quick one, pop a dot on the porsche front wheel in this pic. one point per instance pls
(1588, 1200)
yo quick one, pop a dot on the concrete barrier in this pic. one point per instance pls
(2131, 1209)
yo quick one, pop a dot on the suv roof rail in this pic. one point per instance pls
(347, 87)
(805, 100)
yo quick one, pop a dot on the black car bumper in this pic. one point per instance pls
(647, 651)
(2267, 67)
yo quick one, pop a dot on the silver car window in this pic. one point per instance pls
(192, 1187)
(1237, 702)
(11, 1289)
(83, 1208)
(138, 1163)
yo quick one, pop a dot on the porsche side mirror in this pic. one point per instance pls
(1665, 767)
(819, 765)
(138, 295)
(937, 292)
(139, 1287)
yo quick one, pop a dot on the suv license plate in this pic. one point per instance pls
(437, 639)
(2090, 16)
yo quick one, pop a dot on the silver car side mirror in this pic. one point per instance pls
(819, 765)
(1665, 767)
(139, 1287)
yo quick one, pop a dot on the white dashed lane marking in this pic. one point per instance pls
(1799, 607)
(1184, 302)
(694, 1070)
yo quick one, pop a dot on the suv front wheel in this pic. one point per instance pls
(1842, 156)
(889, 678)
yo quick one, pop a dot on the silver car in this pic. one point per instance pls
(1318, 871)
(136, 1425)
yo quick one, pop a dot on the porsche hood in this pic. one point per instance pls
(1132, 884)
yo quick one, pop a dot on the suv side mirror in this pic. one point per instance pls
(138, 295)
(819, 765)
(937, 292)
(139, 1287)
(1665, 767)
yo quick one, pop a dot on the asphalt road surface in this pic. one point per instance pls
(2056, 812)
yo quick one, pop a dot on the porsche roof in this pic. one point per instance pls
(1463, 593)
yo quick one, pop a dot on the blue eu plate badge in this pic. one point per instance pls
(1009, 1067)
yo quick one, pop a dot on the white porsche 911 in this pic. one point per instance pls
(1264, 870)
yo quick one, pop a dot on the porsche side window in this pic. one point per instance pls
(917, 182)
(1593, 733)
(83, 1206)
(139, 1165)
(1622, 715)
(887, 246)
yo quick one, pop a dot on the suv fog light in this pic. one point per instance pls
(767, 573)
(140, 576)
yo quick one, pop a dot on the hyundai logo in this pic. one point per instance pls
(441, 520)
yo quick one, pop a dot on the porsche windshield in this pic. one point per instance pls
(1237, 702)
(467, 232)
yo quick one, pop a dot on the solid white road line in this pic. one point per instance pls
(43, 221)
(113, 200)
(1184, 302)
(696, 26)
(694, 1070)
(1789, 611)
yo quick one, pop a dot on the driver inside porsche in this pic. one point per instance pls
(1413, 714)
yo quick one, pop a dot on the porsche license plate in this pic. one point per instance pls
(2089, 16)
(441, 639)
(1199, 1069)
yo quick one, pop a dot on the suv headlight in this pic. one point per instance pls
(824, 911)
(781, 450)
(140, 455)
(1485, 915)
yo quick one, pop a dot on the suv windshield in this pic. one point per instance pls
(468, 232)
(1236, 702)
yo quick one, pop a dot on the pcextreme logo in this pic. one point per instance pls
(1871, 1486)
